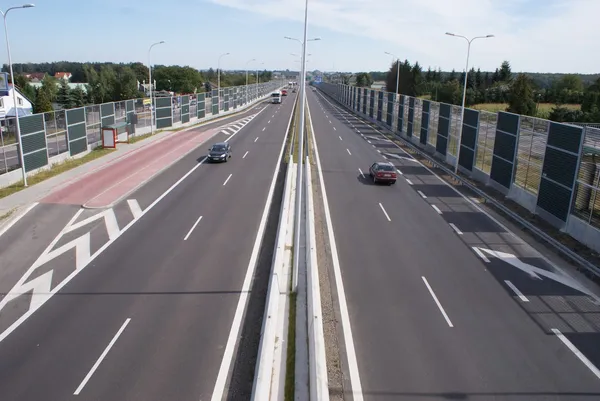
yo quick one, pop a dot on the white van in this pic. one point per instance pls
(276, 97)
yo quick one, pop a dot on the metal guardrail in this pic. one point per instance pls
(565, 251)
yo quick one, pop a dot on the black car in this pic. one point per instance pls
(219, 152)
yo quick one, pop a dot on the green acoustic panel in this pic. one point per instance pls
(163, 102)
(129, 106)
(565, 137)
(560, 167)
(36, 160)
(164, 112)
(554, 199)
(469, 137)
(411, 116)
(379, 106)
(76, 131)
(400, 112)
(215, 102)
(424, 122)
(33, 142)
(201, 109)
(471, 117)
(107, 109)
(358, 99)
(32, 124)
(508, 122)
(502, 171)
(390, 109)
(164, 122)
(441, 145)
(505, 145)
(185, 99)
(185, 113)
(75, 116)
(364, 103)
(466, 158)
(371, 103)
(109, 120)
(77, 146)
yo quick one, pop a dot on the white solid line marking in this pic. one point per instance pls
(437, 209)
(348, 152)
(192, 229)
(399, 172)
(361, 173)
(439, 305)
(409, 181)
(256, 139)
(422, 195)
(19, 217)
(455, 229)
(480, 254)
(340, 137)
(102, 356)
(225, 183)
(245, 154)
(577, 353)
(384, 212)
(516, 291)
(335, 129)
(264, 128)
(135, 208)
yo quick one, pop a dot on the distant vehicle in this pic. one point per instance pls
(294, 90)
(219, 152)
(383, 172)
(276, 97)
(284, 92)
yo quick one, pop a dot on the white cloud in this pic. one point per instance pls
(534, 35)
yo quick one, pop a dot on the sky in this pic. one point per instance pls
(533, 35)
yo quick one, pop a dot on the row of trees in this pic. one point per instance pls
(522, 92)
(105, 82)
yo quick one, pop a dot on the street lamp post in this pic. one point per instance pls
(462, 111)
(152, 112)
(298, 205)
(12, 77)
(246, 90)
(397, 71)
(219, 79)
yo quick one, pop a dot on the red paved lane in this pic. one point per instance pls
(105, 186)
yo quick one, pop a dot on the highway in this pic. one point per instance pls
(430, 316)
(158, 314)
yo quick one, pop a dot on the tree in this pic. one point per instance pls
(63, 97)
(520, 97)
(43, 103)
(49, 87)
(125, 84)
(78, 97)
(505, 73)
(364, 80)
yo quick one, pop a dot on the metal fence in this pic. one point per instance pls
(552, 169)
(56, 134)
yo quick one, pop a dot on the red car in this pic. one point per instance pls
(284, 92)
(383, 172)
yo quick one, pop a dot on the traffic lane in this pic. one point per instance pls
(482, 306)
(151, 258)
(241, 142)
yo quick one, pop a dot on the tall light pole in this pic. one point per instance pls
(397, 70)
(249, 61)
(152, 112)
(258, 80)
(12, 78)
(462, 112)
(298, 205)
(219, 78)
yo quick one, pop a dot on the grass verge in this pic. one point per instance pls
(290, 363)
(54, 170)
(308, 137)
(296, 133)
(7, 214)
(291, 136)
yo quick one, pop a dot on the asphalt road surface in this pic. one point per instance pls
(434, 313)
(150, 317)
